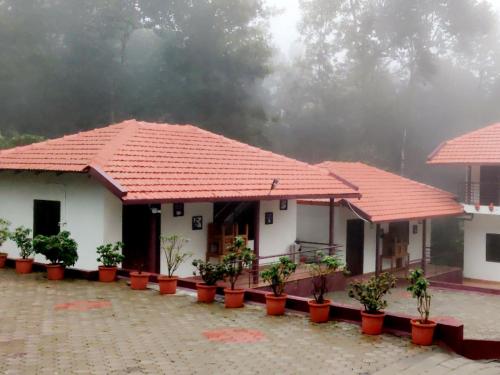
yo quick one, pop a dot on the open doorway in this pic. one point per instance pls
(141, 238)
(355, 246)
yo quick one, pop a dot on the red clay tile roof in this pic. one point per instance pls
(481, 146)
(389, 197)
(146, 162)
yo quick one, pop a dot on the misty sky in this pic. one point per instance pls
(283, 26)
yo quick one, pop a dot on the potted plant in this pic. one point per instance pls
(21, 236)
(138, 279)
(370, 294)
(60, 250)
(210, 274)
(235, 261)
(277, 275)
(422, 330)
(319, 307)
(109, 255)
(4, 236)
(171, 246)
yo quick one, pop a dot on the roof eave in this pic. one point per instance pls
(108, 181)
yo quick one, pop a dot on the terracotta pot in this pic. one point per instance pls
(319, 312)
(275, 305)
(371, 324)
(3, 258)
(234, 298)
(55, 271)
(168, 285)
(206, 293)
(139, 281)
(421, 334)
(107, 274)
(24, 266)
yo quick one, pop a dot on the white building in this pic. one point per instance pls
(478, 153)
(135, 181)
(399, 209)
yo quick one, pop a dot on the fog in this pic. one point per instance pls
(380, 81)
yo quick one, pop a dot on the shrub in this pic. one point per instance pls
(171, 247)
(370, 293)
(110, 254)
(21, 236)
(418, 288)
(4, 231)
(210, 273)
(319, 272)
(57, 249)
(238, 258)
(278, 273)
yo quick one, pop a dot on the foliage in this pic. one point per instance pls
(85, 63)
(370, 293)
(15, 139)
(22, 237)
(4, 231)
(209, 272)
(171, 246)
(418, 288)
(110, 254)
(57, 249)
(324, 266)
(278, 273)
(236, 260)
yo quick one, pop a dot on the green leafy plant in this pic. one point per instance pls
(319, 271)
(171, 247)
(22, 237)
(110, 254)
(278, 273)
(4, 231)
(236, 260)
(210, 273)
(57, 249)
(370, 293)
(418, 288)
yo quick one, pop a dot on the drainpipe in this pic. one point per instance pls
(377, 250)
(424, 245)
(331, 230)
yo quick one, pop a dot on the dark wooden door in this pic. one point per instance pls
(490, 185)
(355, 246)
(141, 238)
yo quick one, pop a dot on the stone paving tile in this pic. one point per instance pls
(477, 311)
(81, 327)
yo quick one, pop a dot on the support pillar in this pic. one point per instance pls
(331, 230)
(378, 265)
(424, 246)
(255, 266)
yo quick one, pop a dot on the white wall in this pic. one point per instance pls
(88, 210)
(181, 225)
(276, 238)
(313, 225)
(475, 264)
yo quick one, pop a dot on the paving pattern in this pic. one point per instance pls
(81, 327)
(477, 311)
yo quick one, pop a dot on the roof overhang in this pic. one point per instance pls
(105, 179)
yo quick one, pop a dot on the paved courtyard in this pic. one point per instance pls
(81, 327)
(477, 311)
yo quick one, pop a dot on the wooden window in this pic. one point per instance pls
(492, 247)
(46, 217)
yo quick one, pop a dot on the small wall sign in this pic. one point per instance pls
(178, 209)
(197, 223)
(268, 218)
(284, 204)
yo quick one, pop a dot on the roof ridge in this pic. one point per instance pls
(473, 132)
(109, 149)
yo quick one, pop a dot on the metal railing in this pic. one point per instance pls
(483, 193)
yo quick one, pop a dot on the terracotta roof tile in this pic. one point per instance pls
(162, 162)
(389, 197)
(481, 146)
